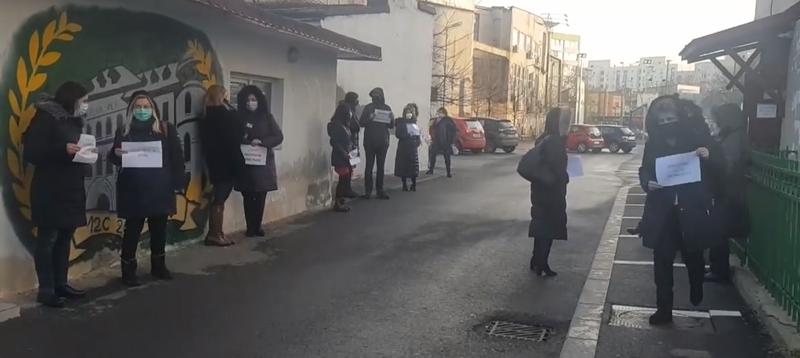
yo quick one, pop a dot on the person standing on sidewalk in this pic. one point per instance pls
(146, 193)
(220, 134)
(677, 218)
(259, 129)
(58, 197)
(549, 198)
(734, 143)
(444, 134)
(351, 100)
(407, 158)
(377, 119)
(341, 149)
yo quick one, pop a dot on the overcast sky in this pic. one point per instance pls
(625, 30)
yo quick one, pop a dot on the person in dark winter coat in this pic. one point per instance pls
(444, 134)
(549, 199)
(351, 100)
(376, 119)
(58, 198)
(341, 148)
(259, 129)
(146, 194)
(735, 145)
(220, 137)
(406, 165)
(676, 217)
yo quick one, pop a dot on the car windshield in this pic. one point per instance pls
(474, 125)
(627, 131)
(505, 125)
(594, 132)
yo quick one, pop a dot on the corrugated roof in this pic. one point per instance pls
(347, 48)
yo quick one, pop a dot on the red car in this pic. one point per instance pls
(471, 136)
(583, 138)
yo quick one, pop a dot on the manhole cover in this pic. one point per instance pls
(638, 317)
(521, 331)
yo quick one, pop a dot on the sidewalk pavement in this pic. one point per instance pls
(722, 326)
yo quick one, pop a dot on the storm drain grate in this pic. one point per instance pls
(514, 330)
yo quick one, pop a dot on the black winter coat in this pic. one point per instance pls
(58, 197)
(376, 134)
(444, 134)
(145, 192)
(220, 136)
(549, 201)
(341, 144)
(695, 199)
(259, 178)
(407, 158)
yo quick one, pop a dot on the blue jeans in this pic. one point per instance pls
(52, 258)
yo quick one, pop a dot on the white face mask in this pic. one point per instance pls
(82, 109)
(252, 105)
(409, 116)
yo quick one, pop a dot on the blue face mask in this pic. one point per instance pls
(143, 114)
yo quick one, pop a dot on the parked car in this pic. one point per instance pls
(583, 138)
(618, 138)
(471, 136)
(501, 134)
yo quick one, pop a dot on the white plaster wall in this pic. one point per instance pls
(766, 8)
(406, 37)
(309, 94)
(790, 131)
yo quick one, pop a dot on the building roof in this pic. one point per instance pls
(346, 47)
(741, 38)
(316, 12)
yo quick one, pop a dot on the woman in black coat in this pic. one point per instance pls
(339, 130)
(220, 136)
(146, 193)
(549, 199)
(58, 197)
(444, 135)
(259, 129)
(677, 218)
(406, 165)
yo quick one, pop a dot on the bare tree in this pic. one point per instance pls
(451, 83)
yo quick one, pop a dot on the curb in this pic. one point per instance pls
(778, 324)
(584, 329)
(8, 311)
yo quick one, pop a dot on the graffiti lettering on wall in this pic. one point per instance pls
(114, 52)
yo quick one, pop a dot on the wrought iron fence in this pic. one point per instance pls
(772, 252)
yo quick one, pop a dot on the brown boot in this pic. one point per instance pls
(216, 237)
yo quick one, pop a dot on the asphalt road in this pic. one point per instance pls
(419, 275)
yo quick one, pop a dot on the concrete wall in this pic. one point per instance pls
(99, 52)
(790, 130)
(766, 8)
(405, 36)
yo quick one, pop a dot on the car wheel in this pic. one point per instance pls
(627, 150)
(597, 150)
(509, 150)
(582, 148)
(614, 147)
(476, 151)
(490, 148)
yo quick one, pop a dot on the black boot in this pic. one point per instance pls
(69, 292)
(129, 277)
(661, 317)
(696, 293)
(50, 300)
(158, 268)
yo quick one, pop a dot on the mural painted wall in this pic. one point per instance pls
(128, 51)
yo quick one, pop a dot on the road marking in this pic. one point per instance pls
(684, 313)
(637, 205)
(629, 236)
(645, 263)
(631, 218)
(637, 194)
(584, 329)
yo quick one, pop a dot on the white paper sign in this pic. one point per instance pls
(382, 116)
(575, 166)
(142, 155)
(413, 129)
(355, 159)
(678, 169)
(767, 110)
(88, 152)
(254, 155)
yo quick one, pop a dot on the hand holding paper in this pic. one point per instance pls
(678, 169)
(254, 155)
(87, 150)
(142, 155)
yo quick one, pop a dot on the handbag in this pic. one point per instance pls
(533, 168)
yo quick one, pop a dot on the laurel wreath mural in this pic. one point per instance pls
(205, 62)
(31, 78)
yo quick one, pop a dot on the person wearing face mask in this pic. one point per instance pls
(341, 148)
(58, 197)
(220, 135)
(549, 197)
(377, 119)
(444, 134)
(146, 194)
(259, 129)
(351, 100)
(406, 165)
(677, 218)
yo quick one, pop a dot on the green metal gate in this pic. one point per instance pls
(772, 252)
